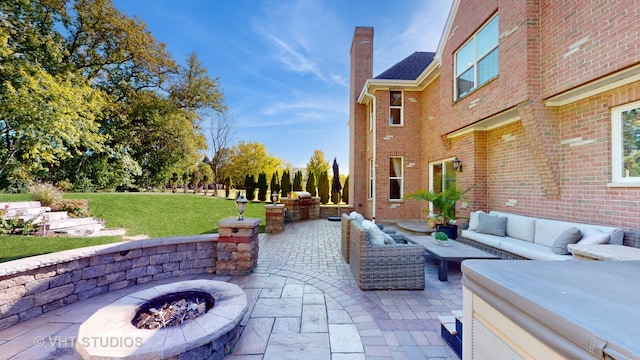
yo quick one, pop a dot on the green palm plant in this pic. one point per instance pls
(444, 202)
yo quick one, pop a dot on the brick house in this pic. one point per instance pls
(539, 101)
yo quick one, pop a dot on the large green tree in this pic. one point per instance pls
(112, 107)
(317, 164)
(250, 159)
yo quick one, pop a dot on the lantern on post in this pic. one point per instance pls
(241, 203)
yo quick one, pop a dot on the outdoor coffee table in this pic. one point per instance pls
(456, 251)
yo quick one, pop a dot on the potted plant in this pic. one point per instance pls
(444, 206)
(441, 238)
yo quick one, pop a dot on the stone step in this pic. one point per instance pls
(449, 322)
(19, 204)
(28, 212)
(70, 222)
(451, 330)
(79, 230)
(56, 215)
(108, 232)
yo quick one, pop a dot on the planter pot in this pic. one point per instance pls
(441, 242)
(450, 230)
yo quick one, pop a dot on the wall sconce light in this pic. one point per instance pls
(241, 202)
(274, 197)
(457, 164)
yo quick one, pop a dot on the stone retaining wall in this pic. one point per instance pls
(38, 284)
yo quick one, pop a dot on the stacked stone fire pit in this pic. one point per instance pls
(112, 332)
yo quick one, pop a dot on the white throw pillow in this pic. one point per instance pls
(355, 216)
(376, 236)
(367, 224)
(474, 219)
(594, 237)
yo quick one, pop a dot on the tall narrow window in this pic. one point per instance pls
(395, 107)
(371, 178)
(477, 61)
(625, 143)
(395, 178)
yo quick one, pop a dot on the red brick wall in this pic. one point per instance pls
(515, 46)
(584, 170)
(603, 34)
(401, 141)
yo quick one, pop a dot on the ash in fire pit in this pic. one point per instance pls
(172, 309)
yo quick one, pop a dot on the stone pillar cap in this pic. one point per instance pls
(235, 223)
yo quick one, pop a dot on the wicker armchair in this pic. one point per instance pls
(345, 221)
(399, 266)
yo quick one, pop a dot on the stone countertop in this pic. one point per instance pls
(605, 251)
(588, 305)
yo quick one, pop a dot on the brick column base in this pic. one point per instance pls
(237, 252)
(274, 215)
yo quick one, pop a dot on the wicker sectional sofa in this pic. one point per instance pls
(535, 238)
(393, 266)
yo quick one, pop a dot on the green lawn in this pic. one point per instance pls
(152, 214)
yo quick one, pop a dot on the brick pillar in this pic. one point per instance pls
(314, 212)
(274, 218)
(237, 252)
(293, 209)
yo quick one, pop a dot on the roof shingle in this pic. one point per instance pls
(409, 68)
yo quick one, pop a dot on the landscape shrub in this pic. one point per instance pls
(47, 194)
(262, 187)
(75, 208)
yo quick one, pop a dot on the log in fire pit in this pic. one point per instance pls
(172, 310)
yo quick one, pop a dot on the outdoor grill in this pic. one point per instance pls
(303, 200)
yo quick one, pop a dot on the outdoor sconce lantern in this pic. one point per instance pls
(274, 198)
(457, 164)
(241, 202)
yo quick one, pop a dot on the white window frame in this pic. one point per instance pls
(401, 108)
(400, 178)
(370, 179)
(476, 59)
(617, 156)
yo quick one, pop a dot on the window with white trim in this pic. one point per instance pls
(395, 178)
(625, 143)
(395, 107)
(370, 178)
(477, 61)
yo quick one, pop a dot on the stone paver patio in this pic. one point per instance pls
(303, 304)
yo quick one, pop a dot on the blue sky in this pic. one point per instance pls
(284, 65)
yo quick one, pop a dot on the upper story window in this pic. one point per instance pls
(477, 61)
(395, 107)
(395, 178)
(625, 143)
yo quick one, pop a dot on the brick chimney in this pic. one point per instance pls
(361, 69)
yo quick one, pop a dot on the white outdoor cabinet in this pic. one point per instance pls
(518, 309)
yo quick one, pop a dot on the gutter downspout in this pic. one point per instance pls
(375, 126)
